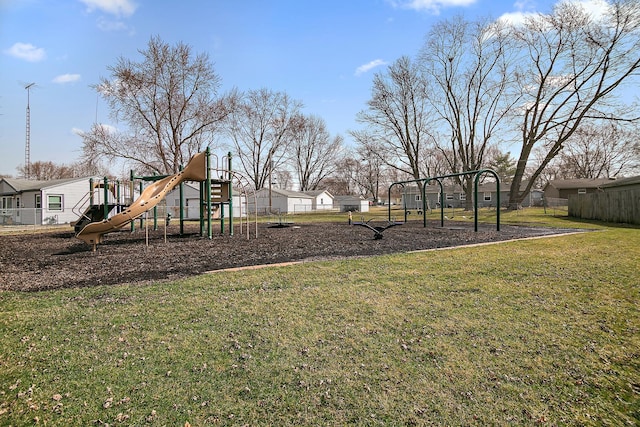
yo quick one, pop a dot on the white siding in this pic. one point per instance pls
(71, 194)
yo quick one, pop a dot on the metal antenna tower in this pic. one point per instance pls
(27, 147)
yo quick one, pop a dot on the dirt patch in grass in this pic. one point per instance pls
(42, 261)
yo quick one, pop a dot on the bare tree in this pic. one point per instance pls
(603, 151)
(468, 64)
(574, 64)
(261, 129)
(314, 152)
(168, 103)
(283, 179)
(46, 171)
(344, 181)
(370, 174)
(397, 118)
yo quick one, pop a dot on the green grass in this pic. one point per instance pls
(522, 333)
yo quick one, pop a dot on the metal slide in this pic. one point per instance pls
(196, 170)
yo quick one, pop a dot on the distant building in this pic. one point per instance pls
(279, 201)
(455, 197)
(623, 184)
(351, 203)
(322, 200)
(32, 202)
(563, 188)
(612, 201)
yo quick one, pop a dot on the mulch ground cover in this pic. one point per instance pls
(53, 260)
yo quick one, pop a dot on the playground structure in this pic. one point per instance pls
(115, 211)
(425, 181)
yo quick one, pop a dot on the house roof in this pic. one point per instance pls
(22, 185)
(286, 193)
(315, 193)
(623, 181)
(339, 198)
(571, 184)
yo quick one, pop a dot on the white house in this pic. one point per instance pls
(281, 201)
(351, 203)
(322, 200)
(33, 202)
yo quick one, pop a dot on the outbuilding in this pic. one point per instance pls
(277, 201)
(322, 200)
(351, 203)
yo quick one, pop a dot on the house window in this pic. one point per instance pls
(321, 201)
(463, 196)
(448, 196)
(582, 191)
(54, 203)
(38, 203)
(7, 203)
(418, 197)
(487, 196)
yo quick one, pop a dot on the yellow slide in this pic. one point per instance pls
(196, 170)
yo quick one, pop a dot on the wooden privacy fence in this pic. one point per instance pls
(622, 206)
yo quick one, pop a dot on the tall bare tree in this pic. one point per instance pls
(397, 117)
(471, 91)
(605, 151)
(574, 65)
(314, 153)
(168, 104)
(261, 130)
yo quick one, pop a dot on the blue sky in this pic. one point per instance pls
(321, 52)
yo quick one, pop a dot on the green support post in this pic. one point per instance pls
(475, 199)
(221, 217)
(202, 206)
(208, 186)
(155, 212)
(181, 205)
(141, 216)
(106, 198)
(118, 204)
(230, 196)
(132, 188)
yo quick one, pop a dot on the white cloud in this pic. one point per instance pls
(596, 8)
(101, 127)
(432, 6)
(66, 78)
(124, 8)
(108, 129)
(111, 25)
(369, 66)
(26, 51)
(515, 18)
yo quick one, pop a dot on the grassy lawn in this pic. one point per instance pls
(532, 332)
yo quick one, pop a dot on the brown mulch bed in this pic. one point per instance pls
(43, 261)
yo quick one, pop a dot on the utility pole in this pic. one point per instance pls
(27, 147)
